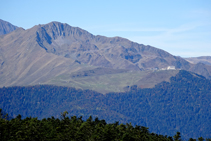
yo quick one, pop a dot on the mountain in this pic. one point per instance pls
(202, 59)
(182, 104)
(6, 27)
(202, 69)
(202, 65)
(118, 53)
(59, 54)
(130, 75)
(24, 62)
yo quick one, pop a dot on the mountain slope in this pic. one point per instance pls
(24, 62)
(202, 65)
(202, 69)
(6, 27)
(46, 53)
(118, 53)
(203, 59)
(183, 104)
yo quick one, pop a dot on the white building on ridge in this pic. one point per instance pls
(171, 68)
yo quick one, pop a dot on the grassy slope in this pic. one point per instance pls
(105, 83)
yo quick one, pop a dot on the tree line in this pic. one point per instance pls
(76, 129)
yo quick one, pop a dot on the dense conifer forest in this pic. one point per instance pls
(181, 105)
(76, 129)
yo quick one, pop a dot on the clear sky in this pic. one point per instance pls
(180, 27)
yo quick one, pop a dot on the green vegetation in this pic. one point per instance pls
(112, 82)
(183, 105)
(102, 83)
(75, 129)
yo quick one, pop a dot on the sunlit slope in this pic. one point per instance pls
(112, 82)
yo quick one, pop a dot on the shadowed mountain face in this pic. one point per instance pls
(6, 27)
(47, 53)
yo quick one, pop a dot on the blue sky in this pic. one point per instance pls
(180, 27)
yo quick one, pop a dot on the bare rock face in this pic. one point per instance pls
(6, 27)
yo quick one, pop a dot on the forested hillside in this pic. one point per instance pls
(183, 105)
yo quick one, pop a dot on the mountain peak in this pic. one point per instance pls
(73, 43)
(114, 52)
(56, 29)
(6, 27)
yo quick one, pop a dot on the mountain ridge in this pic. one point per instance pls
(202, 59)
(88, 48)
(45, 53)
